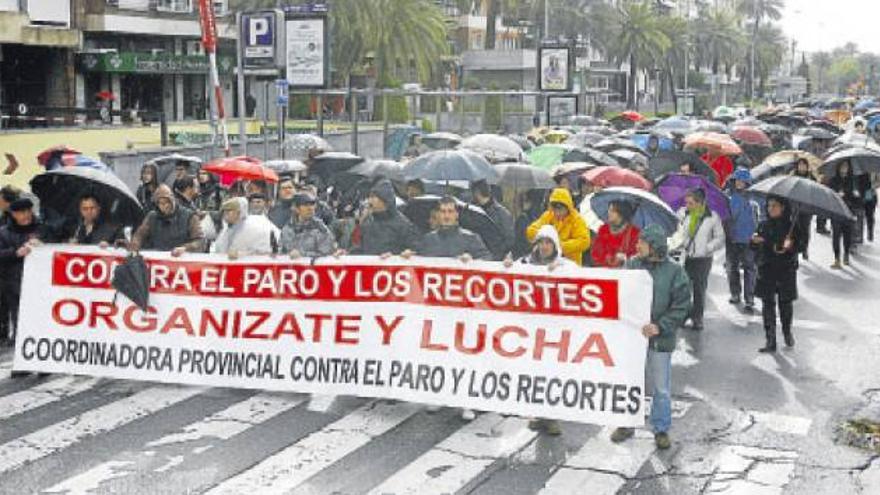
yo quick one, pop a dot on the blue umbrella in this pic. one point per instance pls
(872, 123)
(865, 105)
(679, 124)
(641, 139)
(648, 208)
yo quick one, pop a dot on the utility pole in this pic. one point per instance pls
(687, 51)
(546, 19)
(752, 57)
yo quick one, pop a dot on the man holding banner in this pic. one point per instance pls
(670, 307)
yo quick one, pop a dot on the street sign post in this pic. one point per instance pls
(283, 98)
(260, 52)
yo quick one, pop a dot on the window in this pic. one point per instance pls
(182, 6)
(221, 8)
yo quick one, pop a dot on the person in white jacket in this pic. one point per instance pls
(245, 234)
(699, 236)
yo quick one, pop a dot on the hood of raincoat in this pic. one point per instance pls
(163, 191)
(384, 190)
(236, 204)
(549, 232)
(743, 174)
(656, 238)
(561, 195)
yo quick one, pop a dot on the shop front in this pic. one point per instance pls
(145, 84)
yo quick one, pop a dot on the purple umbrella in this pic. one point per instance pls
(673, 187)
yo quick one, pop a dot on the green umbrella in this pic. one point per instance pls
(548, 156)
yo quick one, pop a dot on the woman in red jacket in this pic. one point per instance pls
(617, 239)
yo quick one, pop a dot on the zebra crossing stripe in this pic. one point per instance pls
(601, 465)
(42, 394)
(469, 453)
(305, 458)
(221, 425)
(54, 438)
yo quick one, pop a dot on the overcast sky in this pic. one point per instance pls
(826, 24)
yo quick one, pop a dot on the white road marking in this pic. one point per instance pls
(44, 393)
(731, 314)
(601, 465)
(54, 438)
(682, 356)
(221, 425)
(84, 483)
(752, 470)
(462, 457)
(233, 420)
(300, 461)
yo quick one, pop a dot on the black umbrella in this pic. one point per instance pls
(862, 161)
(470, 217)
(582, 139)
(328, 164)
(61, 189)
(166, 164)
(816, 133)
(520, 176)
(451, 166)
(590, 155)
(806, 196)
(611, 144)
(441, 140)
(388, 169)
(131, 278)
(670, 162)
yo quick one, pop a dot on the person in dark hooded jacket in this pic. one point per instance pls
(23, 231)
(482, 194)
(385, 230)
(148, 186)
(92, 228)
(449, 240)
(777, 241)
(282, 210)
(669, 309)
(169, 228)
(210, 193)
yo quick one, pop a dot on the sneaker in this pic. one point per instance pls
(662, 440)
(749, 308)
(468, 414)
(622, 434)
(836, 265)
(767, 349)
(734, 300)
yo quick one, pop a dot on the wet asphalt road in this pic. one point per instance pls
(744, 423)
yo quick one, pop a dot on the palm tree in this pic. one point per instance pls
(719, 40)
(769, 52)
(637, 37)
(677, 30)
(493, 9)
(758, 10)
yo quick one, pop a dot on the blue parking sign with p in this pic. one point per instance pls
(258, 37)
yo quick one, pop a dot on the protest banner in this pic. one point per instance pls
(523, 340)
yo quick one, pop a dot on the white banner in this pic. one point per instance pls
(524, 341)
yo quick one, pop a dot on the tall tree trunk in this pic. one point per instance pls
(633, 82)
(491, 17)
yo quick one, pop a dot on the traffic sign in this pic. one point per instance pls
(261, 35)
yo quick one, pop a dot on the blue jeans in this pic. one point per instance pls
(658, 374)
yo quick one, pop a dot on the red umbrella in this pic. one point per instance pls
(616, 177)
(633, 116)
(240, 168)
(751, 136)
(106, 95)
(60, 151)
